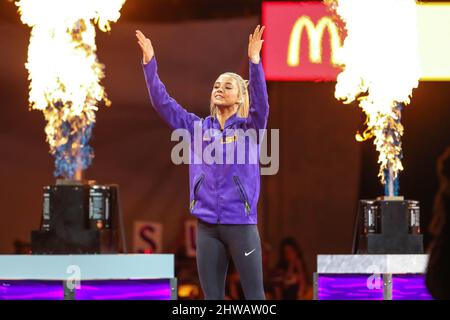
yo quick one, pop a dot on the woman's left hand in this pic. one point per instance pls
(255, 44)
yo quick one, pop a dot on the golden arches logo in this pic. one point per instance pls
(315, 36)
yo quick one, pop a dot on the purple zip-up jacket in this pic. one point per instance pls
(220, 193)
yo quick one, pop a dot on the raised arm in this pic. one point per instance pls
(175, 115)
(259, 101)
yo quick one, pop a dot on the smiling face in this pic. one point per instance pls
(225, 92)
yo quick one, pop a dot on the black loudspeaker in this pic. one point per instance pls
(388, 227)
(79, 218)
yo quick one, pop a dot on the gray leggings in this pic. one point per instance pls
(215, 244)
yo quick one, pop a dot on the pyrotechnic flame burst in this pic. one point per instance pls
(381, 68)
(65, 74)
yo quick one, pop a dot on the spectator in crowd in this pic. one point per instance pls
(289, 277)
(22, 247)
(438, 273)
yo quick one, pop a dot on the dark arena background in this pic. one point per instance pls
(311, 202)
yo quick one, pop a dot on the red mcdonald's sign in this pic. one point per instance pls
(301, 41)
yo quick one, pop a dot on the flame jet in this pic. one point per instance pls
(65, 74)
(380, 69)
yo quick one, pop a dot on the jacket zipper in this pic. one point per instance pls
(242, 194)
(197, 185)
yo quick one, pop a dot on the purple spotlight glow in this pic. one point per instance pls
(151, 289)
(410, 287)
(124, 290)
(31, 290)
(347, 287)
(369, 287)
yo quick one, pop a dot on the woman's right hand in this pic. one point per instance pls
(146, 46)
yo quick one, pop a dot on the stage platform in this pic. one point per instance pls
(371, 277)
(88, 277)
